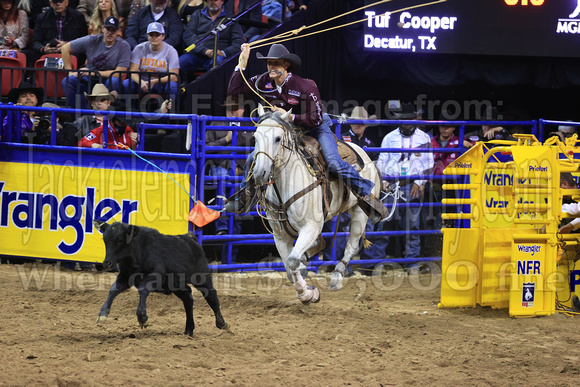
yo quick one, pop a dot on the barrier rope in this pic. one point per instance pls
(123, 146)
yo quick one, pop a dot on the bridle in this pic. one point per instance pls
(288, 142)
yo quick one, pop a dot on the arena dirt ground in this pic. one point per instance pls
(374, 332)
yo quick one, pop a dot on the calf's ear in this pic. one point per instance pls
(132, 232)
(101, 226)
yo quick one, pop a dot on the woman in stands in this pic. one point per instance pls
(13, 26)
(104, 9)
(186, 7)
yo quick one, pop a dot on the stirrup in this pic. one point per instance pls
(242, 200)
(374, 208)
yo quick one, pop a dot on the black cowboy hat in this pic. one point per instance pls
(278, 51)
(24, 86)
(406, 112)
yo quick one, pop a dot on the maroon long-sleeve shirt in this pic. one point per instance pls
(299, 94)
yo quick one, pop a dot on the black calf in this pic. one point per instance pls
(153, 262)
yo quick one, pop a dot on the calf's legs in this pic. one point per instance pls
(187, 298)
(118, 287)
(210, 295)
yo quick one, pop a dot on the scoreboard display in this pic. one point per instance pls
(548, 28)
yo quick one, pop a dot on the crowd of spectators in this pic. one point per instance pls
(109, 36)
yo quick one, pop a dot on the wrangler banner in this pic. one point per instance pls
(47, 211)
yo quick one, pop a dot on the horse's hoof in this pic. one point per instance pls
(145, 323)
(101, 319)
(315, 296)
(336, 281)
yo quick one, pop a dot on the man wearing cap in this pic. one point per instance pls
(53, 29)
(154, 56)
(106, 53)
(24, 95)
(202, 22)
(400, 164)
(286, 90)
(157, 11)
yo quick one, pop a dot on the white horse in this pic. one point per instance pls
(290, 212)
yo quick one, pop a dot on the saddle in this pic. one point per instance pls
(309, 148)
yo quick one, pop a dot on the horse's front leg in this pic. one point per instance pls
(357, 229)
(307, 236)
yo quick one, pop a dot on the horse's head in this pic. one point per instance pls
(269, 136)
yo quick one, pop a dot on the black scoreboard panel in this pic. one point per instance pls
(488, 27)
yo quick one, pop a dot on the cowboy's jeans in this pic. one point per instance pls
(338, 167)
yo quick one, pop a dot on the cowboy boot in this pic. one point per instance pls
(242, 200)
(373, 207)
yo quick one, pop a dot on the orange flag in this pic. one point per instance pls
(200, 215)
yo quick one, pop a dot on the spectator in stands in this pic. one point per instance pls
(400, 164)
(567, 181)
(13, 26)
(202, 23)
(24, 95)
(157, 11)
(99, 99)
(43, 125)
(186, 8)
(121, 10)
(445, 139)
(156, 57)
(34, 8)
(295, 5)
(103, 10)
(120, 135)
(272, 9)
(221, 168)
(106, 53)
(249, 21)
(491, 131)
(564, 131)
(54, 28)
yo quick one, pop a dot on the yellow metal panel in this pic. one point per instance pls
(460, 274)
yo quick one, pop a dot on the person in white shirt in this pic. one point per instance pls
(400, 164)
(567, 182)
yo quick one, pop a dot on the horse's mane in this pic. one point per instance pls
(277, 117)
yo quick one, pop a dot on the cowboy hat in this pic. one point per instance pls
(407, 112)
(100, 90)
(14, 93)
(278, 51)
(360, 113)
(232, 101)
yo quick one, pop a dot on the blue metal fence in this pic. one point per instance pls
(200, 155)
